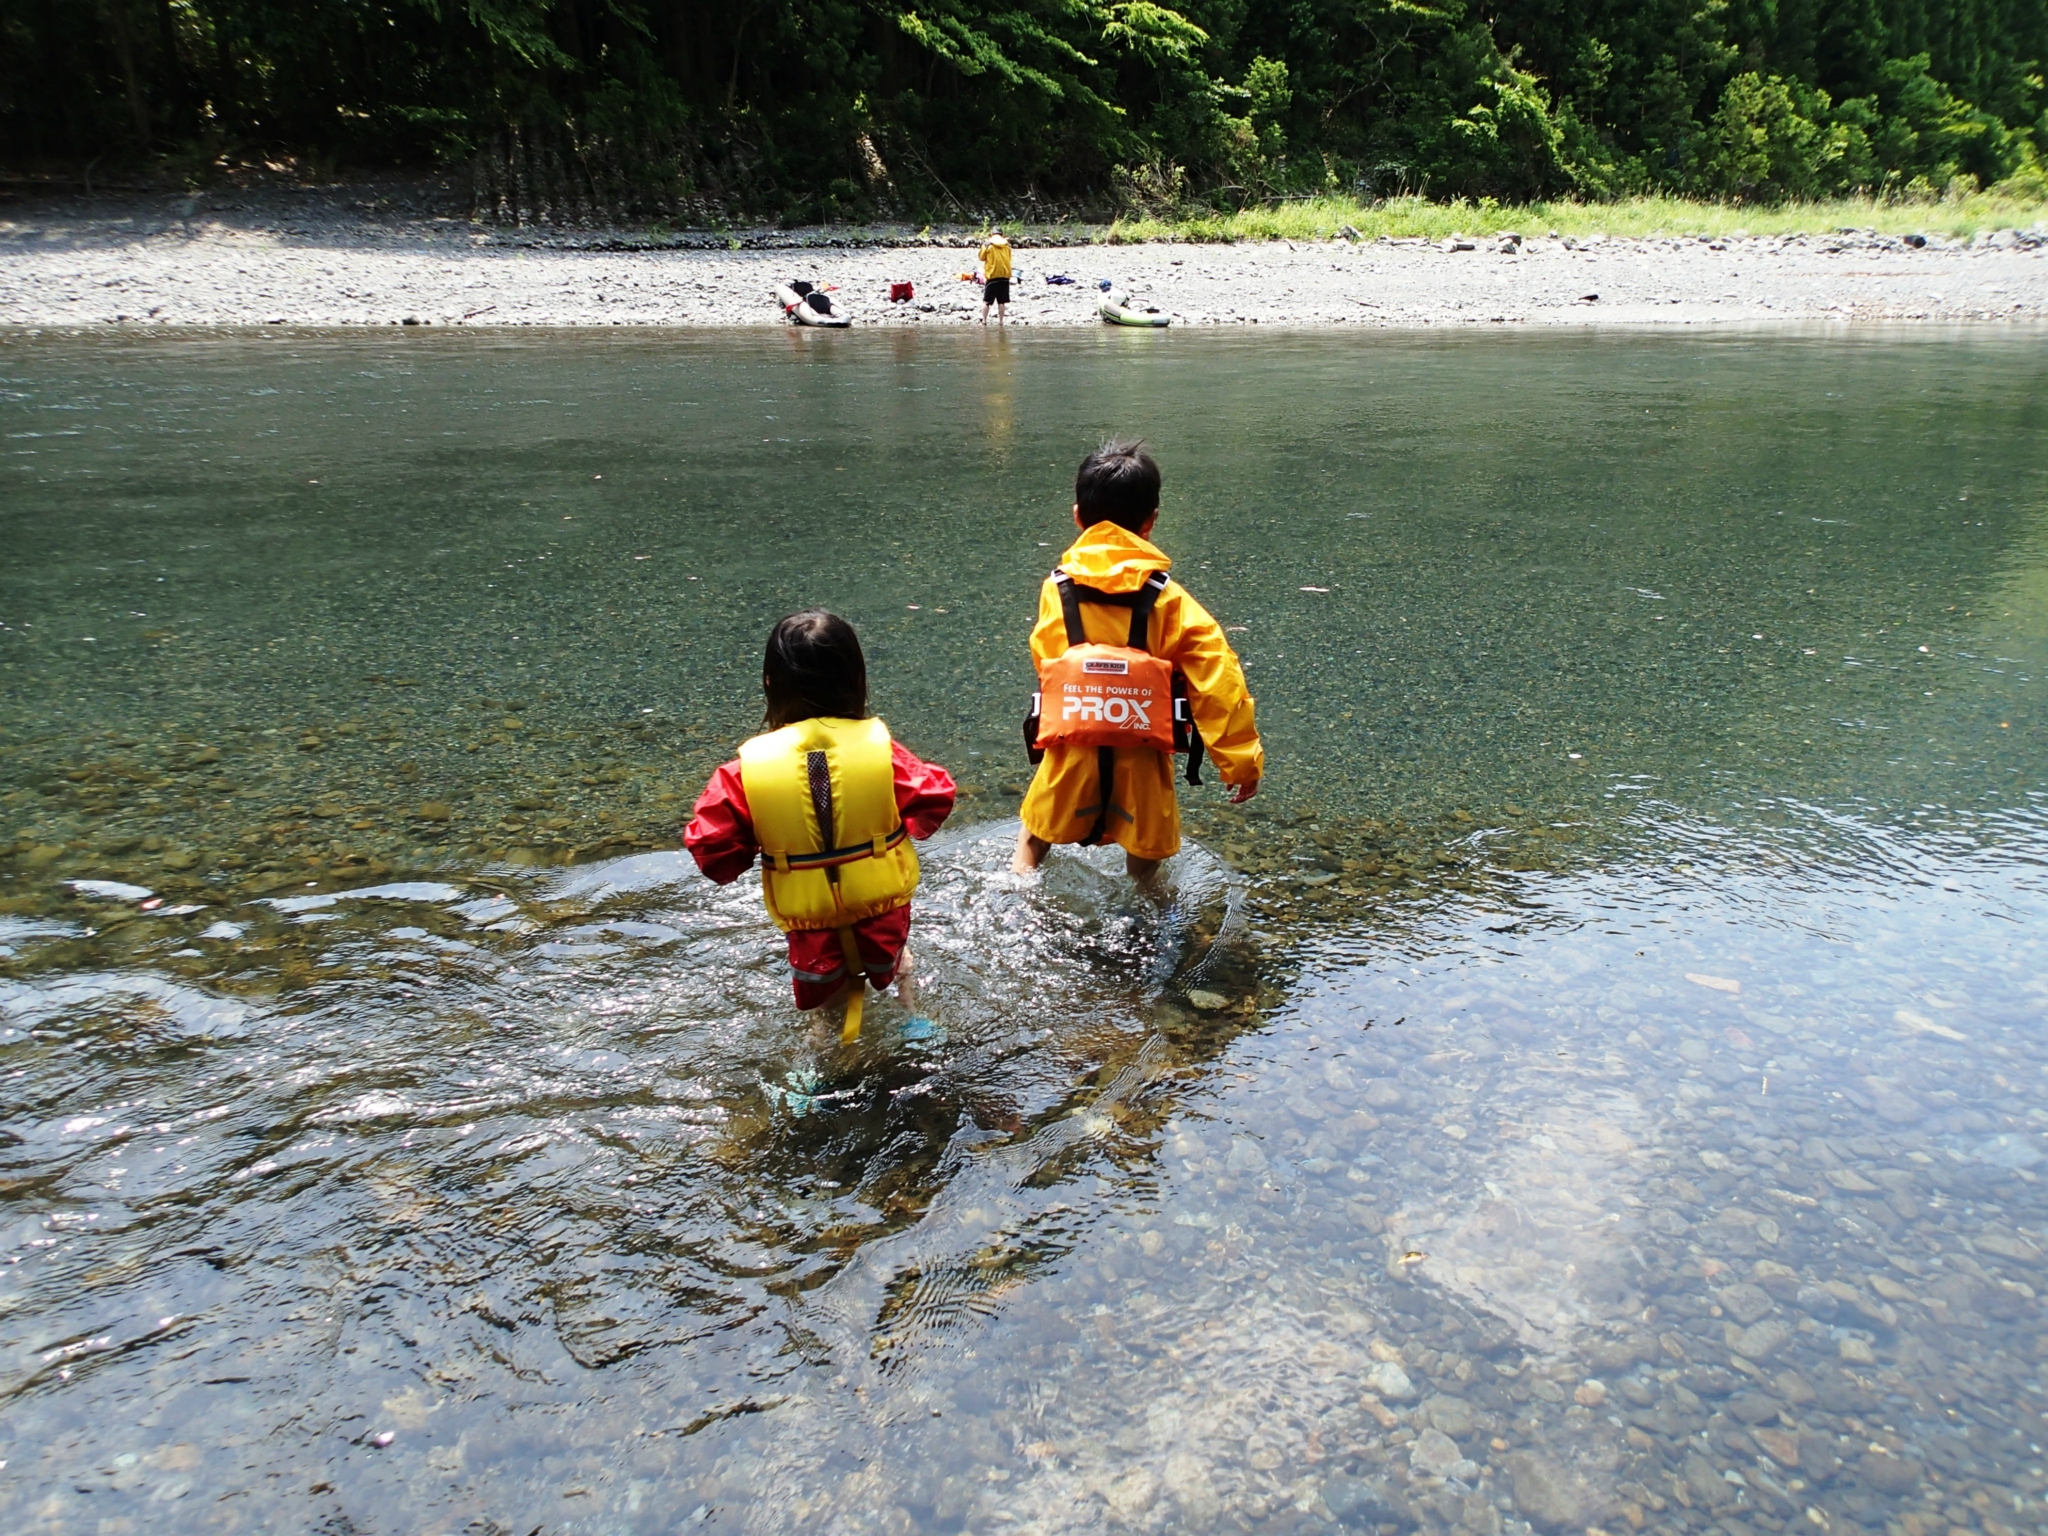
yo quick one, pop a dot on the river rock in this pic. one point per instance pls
(1132, 1494)
(1818, 1302)
(1779, 1281)
(1206, 1002)
(1551, 1493)
(1897, 1107)
(1745, 1303)
(1855, 1351)
(1888, 1474)
(1752, 1407)
(1245, 1156)
(1363, 1502)
(2009, 1149)
(1189, 1485)
(1780, 1445)
(1793, 1388)
(1758, 1343)
(1435, 1454)
(1850, 1182)
(1452, 1415)
(1817, 1458)
(1706, 1484)
(1390, 1382)
(2006, 1245)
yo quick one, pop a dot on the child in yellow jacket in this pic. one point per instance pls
(1116, 503)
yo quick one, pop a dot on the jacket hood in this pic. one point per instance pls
(1113, 559)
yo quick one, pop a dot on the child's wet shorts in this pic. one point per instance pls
(996, 291)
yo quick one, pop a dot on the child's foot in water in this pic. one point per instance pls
(800, 1089)
(920, 1030)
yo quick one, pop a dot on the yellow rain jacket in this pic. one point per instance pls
(1064, 799)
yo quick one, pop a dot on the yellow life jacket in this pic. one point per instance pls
(834, 850)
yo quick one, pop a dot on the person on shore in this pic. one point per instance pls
(1131, 668)
(829, 803)
(994, 257)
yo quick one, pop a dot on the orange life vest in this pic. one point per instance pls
(1110, 696)
(1106, 696)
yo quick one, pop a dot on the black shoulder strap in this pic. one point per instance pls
(1070, 605)
(1140, 602)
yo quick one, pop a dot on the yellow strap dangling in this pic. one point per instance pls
(856, 987)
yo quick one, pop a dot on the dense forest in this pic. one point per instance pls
(851, 108)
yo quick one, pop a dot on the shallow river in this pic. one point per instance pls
(1597, 1084)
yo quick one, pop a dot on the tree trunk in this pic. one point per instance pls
(116, 13)
(176, 86)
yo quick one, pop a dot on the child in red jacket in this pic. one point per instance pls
(828, 802)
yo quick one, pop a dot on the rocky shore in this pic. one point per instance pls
(200, 262)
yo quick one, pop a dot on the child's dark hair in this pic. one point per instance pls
(1118, 483)
(814, 668)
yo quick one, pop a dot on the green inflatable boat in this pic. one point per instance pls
(1122, 309)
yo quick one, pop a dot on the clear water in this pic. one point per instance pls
(1597, 1084)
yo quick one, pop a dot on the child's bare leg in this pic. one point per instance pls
(824, 1031)
(1144, 871)
(906, 982)
(1031, 852)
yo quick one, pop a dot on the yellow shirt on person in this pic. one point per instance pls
(995, 258)
(1062, 804)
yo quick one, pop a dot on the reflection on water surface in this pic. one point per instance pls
(1598, 1087)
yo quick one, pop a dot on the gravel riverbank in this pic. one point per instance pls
(177, 261)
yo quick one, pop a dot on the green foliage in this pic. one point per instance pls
(1199, 109)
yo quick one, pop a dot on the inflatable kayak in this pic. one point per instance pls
(809, 305)
(1122, 309)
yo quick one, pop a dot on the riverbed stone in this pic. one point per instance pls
(1778, 1281)
(2006, 1245)
(1435, 1454)
(1551, 1493)
(1782, 1446)
(1452, 1415)
(1192, 1490)
(1817, 1301)
(1793, 1388)
(1390, 1382)
(1887, 1474)
(1818, 1459)
(1363, 1503)
(1752, 1407)
(1745, 1303)
(1757, 1343)
(1132, 1494)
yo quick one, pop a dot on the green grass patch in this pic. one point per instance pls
(1324, 218)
